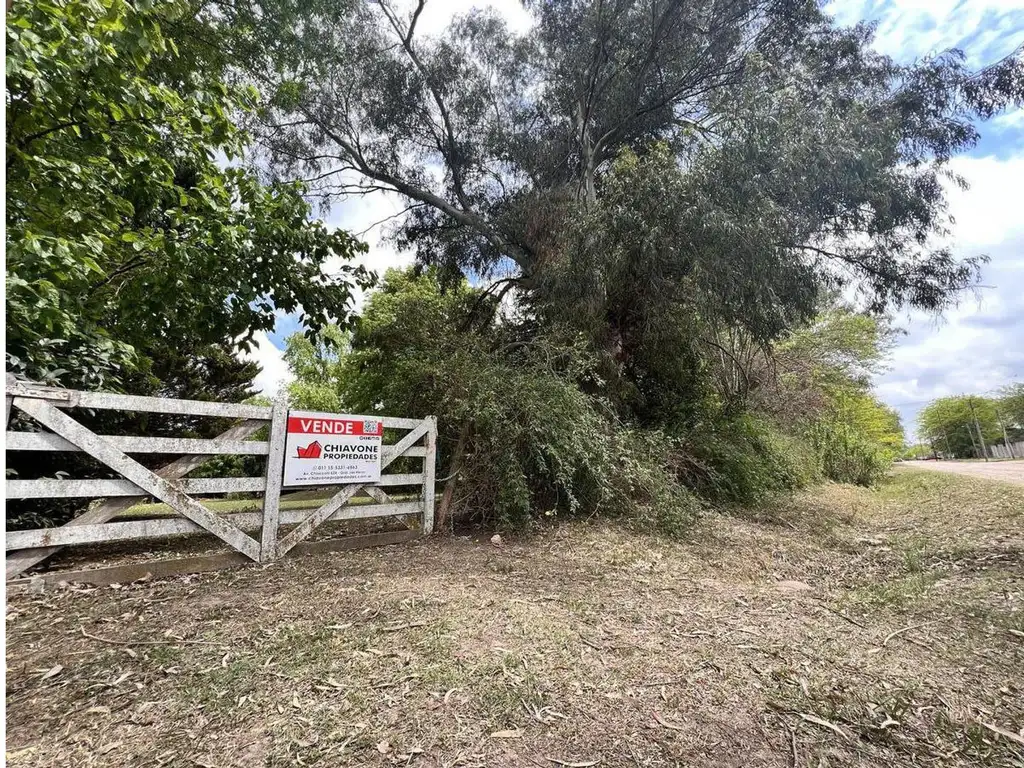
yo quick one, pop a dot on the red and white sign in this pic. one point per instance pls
(332, 449)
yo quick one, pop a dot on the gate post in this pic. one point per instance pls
(275, 473)
(428, 476)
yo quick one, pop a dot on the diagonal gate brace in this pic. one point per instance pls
(338, 500)
(154, 485)
(108, 509)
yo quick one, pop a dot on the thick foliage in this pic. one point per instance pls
(519, 439)
(960, 425)
(744, 460)
(819, 389)
(123, 228)
(856, 439)
(1011, 407)
(522, 435)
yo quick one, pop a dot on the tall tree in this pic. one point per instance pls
(1011, 406)
(510, 121)
(769, 153)
(960, 425)
(129, 232)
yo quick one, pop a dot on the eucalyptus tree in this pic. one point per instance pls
(632, 165)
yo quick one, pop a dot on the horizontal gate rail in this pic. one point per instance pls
(99, 524)
(158, 528)
(45, 441)
(67, 398)
(52, 488)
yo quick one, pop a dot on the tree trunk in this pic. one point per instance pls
(453, 475)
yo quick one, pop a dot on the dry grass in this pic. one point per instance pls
(582, 645)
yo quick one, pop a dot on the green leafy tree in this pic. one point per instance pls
(1011, 407)
(652, 174)
(960, 425)
(319, 369)
(817, 384)
(128, 231)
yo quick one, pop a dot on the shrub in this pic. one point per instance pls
(845, 455)
(744, 459)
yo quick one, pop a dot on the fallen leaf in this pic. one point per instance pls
(793, 586)
(513, 734)
(52, 672)
(1002, 732)
(569, 764)
(14, 755)
(397, 627)
(98, 711)
(666, 723)
(823, 723)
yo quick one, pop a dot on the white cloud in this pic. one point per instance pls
(368, 217)
(989, 212)
(978, 346)
(435, 16)
(910, 29)
(1011, 120)
(274, 374)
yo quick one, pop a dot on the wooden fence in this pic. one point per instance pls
(48, 408)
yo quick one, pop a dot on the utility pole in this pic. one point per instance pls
(981, 438)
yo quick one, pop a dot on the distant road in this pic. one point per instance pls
(1007, 471)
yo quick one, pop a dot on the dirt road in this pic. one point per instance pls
(1007, 471)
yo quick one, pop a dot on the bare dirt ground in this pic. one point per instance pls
(1007, 471)
(845, 627)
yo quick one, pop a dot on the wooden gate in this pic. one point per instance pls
(48, 408)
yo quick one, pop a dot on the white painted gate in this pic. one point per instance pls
(48, 406)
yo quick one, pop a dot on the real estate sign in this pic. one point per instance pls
(332, 449)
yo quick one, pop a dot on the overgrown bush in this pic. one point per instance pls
(523, 434)
(518, 435)
(845, 455)
(644, 485)
(744, 460)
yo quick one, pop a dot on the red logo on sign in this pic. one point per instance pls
(311, 451)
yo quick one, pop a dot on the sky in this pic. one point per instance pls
(974, 348)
